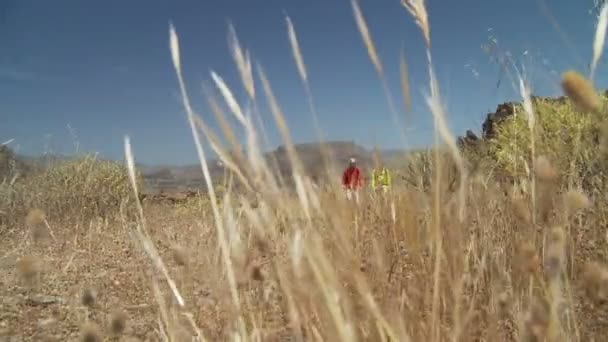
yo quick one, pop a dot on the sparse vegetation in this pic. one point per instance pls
(83, 188)
(455, 252)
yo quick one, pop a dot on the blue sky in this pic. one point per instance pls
(103, 68)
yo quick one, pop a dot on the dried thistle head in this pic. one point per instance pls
(35, 217)
(255, 272)
(556, 249)
(580, 91)
(88, 297)
(595, 281)
(55, 312)
(29, 267)
(544, 170)
(503, 301)
(118, 323)
(180, 256)
(537, 320)
(35, 221)
(527, 259)
(577, 200)
(521, 210)
(90, 332)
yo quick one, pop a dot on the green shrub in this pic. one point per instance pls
(568, 138)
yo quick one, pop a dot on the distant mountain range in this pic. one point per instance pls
(191, 177)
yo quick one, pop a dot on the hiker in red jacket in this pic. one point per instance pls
(351, 180)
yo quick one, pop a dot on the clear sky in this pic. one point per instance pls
(104, 69)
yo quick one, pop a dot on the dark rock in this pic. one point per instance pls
(503, 112)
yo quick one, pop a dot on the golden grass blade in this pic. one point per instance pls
(291, 152)
(174, 46)
(146, 243)
(225, 127)
(253, 150)
(371, 50)
(600, 38)
(229, 98)
(405, 85)
(295, 48)
(205, 168)
(528, 108)
(367, 39)
(435, 105)
(417, 10)
(524, 91)
(242, 62)
(299, 60)
(224, 157)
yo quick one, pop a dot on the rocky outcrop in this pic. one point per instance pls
(503, 112)
(469, 139)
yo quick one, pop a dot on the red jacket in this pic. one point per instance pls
(351, 178)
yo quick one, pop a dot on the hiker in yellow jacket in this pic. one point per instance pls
(381, 178)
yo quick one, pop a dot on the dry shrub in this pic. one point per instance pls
(85, 187)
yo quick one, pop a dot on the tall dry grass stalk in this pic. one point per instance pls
(242, 61)
(142, 233)
(326, 156)
(298, 175)
(417, 10)
(243, 64)
(175, 55)
(375, 59)
(253, 151)
(599, 40)
(405, 84)
(531, 116)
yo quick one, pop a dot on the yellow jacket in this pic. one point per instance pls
(381, 178)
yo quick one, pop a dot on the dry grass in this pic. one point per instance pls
(523, 263)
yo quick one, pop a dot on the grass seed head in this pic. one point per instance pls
(28, 267)
(521, 210)
(88, 297)
(35, 221)
(255, 272)
(577, 200)
(528, 259)
(35, 217)
(180, 256)
(580, 91)
(555, 252)
(544, 170)
(90, 332)
(537, 320)
(118, 322)
(503, 301)
(595, 281)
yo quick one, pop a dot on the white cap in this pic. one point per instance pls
(353, 160)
